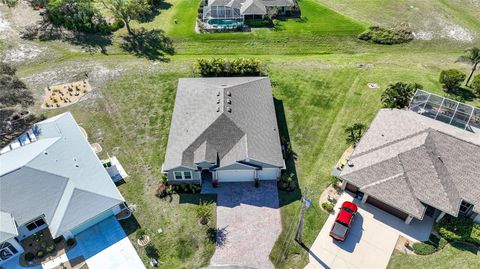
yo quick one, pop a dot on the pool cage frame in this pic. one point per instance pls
(446, 110)
(222, 12)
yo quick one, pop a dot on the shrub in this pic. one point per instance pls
(398, 95)
(380, 35)
(424, 248)
(6, 69)
(327, 206)
(50, 248)
(140, 233)
(217, 67)
(70, 242)
(259, 23)
(29, 256)
(451, 79)
(476, 84)
(40, 254)
(459, 229)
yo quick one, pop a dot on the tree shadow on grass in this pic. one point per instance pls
(286, 197)
(150, 44)
(156, 10)
(90, 43)
(462, 94)
(465, 246)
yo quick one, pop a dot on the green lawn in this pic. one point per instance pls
(320, 87)
(459, 256)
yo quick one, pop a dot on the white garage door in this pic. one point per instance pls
(235, 175)
(268, 173)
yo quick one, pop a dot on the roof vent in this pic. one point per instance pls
(218, 93)
(218, 101)
(229, 93)
(76, 165)
(229, 109)
(218, 109)
(45, 153)
(229, 101)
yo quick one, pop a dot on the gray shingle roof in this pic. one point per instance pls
(439, 163)
(8, 229)
(232, 118)
(45, 177)
(252, 7)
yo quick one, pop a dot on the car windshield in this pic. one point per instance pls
(348, 210)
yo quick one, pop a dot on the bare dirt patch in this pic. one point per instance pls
(66, 94)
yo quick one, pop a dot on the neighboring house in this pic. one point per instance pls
(225, 128)
(50, 177)
(411, 165)
(245, 9)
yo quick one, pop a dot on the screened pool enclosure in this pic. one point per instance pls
(222, 12)
(446, 110)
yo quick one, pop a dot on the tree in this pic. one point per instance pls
(128, 10)
(476, 84)
(398, 95)
(9, 3)
(354, 133)
(472, 57)
(451, 79)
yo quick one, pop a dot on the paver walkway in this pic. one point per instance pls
(248, 223)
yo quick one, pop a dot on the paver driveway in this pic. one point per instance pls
(370, 242)
(248, 224)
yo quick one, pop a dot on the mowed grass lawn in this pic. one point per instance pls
(458, 256)
(319, 72)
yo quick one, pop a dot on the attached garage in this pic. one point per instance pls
(352, 188)
(235, 175)
(392, 210)
(268, 173)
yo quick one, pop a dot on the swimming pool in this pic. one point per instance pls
(223, 23)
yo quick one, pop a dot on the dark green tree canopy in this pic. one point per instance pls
(451, 79)
(398, 95)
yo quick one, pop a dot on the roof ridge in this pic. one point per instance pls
(381, 181)
(390, 143)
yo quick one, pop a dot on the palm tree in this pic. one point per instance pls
(472, 56)
(354, 133)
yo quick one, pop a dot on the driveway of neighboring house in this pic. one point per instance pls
(106, 246)
(370, 242)
(248, 223)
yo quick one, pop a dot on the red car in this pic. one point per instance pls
(344, 221)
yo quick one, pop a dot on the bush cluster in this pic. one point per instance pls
(384, 36)
(327, 206)
(451, 79)
(476, 84)
(459, 229)
(398, 95)
(217, 67)
(259, 23)
(424, 248)
(79, 16)
(186, 188)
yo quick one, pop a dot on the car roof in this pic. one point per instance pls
(344, 216)
(350, 206)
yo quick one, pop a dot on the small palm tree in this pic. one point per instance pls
(354, 133)
(203, 211)
(472, 56)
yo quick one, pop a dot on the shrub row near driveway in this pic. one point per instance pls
(217, 67)
(459, 229)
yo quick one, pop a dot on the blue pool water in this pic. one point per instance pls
(223, 23)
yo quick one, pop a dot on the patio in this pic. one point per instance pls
(43, 248)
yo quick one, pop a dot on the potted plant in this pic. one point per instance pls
(215, 183)
(142, 238)
(257, 183)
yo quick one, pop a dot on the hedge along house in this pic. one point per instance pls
(51, 178)
(225, 128)
(225, 13)
(411, 166)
